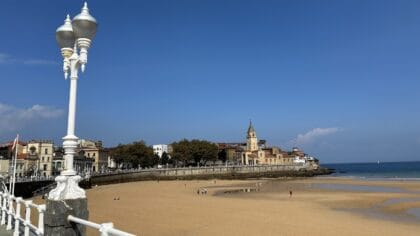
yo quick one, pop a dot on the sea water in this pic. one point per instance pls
(382, 170)
(409, 171)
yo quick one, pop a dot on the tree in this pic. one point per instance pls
(222, 155)
(164, 159)
(136, 153)
(181, 152)
(194, 151)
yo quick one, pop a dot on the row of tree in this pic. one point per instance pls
(185, 153)
(194, 152)
(135, 154)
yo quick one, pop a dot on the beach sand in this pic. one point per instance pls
(174, 208)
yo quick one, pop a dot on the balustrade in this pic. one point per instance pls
(11, 217)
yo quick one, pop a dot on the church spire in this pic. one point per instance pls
(252, 142)
(251, 127)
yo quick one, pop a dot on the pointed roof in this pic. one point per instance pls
(251, 127)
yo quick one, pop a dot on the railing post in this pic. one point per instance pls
(41, 210)
(1, 206)
(17, 216)
(4, 209)
(27, 217)
(10, 213)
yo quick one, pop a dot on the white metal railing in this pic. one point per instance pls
(106, 229)
(32, 179)
(11, 215)
(21, 225)
(228, 167)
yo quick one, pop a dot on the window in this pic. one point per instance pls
(32, 149)
(48, 159)
(93, 154)
(88, 154)
(46, 150)
(42, 159)
(45, 166)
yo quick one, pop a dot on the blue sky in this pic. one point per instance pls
(339, 79)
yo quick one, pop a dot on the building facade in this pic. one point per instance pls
(159, 149)
(257, 153)
(94, 150)
(39, 157)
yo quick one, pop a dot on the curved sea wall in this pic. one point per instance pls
(230, 172)
(27, 189)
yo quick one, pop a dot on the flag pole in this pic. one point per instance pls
(10, 171)
(14, 167)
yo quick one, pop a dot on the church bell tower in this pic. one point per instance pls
(252, 142)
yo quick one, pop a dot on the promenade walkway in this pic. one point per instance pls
(4, 232)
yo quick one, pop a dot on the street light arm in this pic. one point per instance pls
(83, 44)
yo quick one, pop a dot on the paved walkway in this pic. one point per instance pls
(4, 232)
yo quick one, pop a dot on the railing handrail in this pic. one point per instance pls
(106, 229)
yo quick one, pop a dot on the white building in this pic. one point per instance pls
(112, 164)
(299, 160)
(159, 149)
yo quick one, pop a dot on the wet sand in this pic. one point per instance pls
(174, 208)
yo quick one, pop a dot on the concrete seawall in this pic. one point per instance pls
(221, 172)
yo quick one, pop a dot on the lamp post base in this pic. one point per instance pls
(55, 220)
(67, 188)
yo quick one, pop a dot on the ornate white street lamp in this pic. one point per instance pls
(74, 38)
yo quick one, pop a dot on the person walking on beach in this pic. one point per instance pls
(290, 193)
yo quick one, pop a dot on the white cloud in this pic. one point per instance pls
(39, 62)
(314, 134)
(6, 58)
(13, 118)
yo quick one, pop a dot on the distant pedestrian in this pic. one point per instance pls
(198, 191)
(290, 193)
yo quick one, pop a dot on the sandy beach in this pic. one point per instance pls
(175, 208)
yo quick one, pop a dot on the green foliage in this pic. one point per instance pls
(194, 151)
(136, 153)
(164, 159)
(222, 155)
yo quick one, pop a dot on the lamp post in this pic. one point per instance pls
(74, 38)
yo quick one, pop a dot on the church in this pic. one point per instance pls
(255, 154)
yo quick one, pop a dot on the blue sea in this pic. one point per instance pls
(385, 170)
